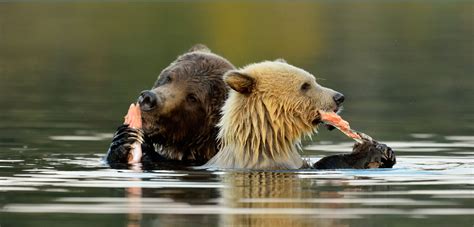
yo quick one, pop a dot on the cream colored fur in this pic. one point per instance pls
(263, 129)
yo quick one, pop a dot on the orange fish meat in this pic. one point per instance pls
(134, 120)
(335, 120)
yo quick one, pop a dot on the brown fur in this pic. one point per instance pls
(190, 93)
(271, 106)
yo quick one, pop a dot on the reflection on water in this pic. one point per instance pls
(421, 186)
(69, 70)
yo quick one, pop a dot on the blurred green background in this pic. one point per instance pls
(405, 66)
(69, 70)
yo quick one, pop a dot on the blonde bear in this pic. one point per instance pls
(270, 107)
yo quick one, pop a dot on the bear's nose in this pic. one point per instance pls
(147, 100)
(338, 98)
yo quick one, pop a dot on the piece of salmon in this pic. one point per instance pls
(335, 120)
(134, 120)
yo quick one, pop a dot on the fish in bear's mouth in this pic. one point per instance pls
(329, 127)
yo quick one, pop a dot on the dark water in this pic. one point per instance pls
(68, 71)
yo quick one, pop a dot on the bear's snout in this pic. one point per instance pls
(147, 101)
(338, 98)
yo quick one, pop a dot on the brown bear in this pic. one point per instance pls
(181, 112)
(271, 106)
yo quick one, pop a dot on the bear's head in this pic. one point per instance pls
(271, 106)
(182, 109)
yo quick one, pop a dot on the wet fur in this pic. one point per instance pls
(187, 131)
(189, 134)
(180, 129)
(266, 115)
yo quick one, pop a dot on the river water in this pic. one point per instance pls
(68, 71)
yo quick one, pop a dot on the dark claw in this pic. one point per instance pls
(127, 138)
(369, 154)
(388, 156)
(122, 143)
(376, 155)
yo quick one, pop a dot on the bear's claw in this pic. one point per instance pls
(388, 155)
(122, 143)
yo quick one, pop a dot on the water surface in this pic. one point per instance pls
(68, 71)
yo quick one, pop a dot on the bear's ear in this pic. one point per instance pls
(281, 60)
(240, 82)
(200, 47)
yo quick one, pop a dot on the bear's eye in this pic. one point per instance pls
(305, 86)
(192, 98)
(167, 79)
(162, 81)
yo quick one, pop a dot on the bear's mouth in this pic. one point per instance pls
(318, 121)
(329, 127)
